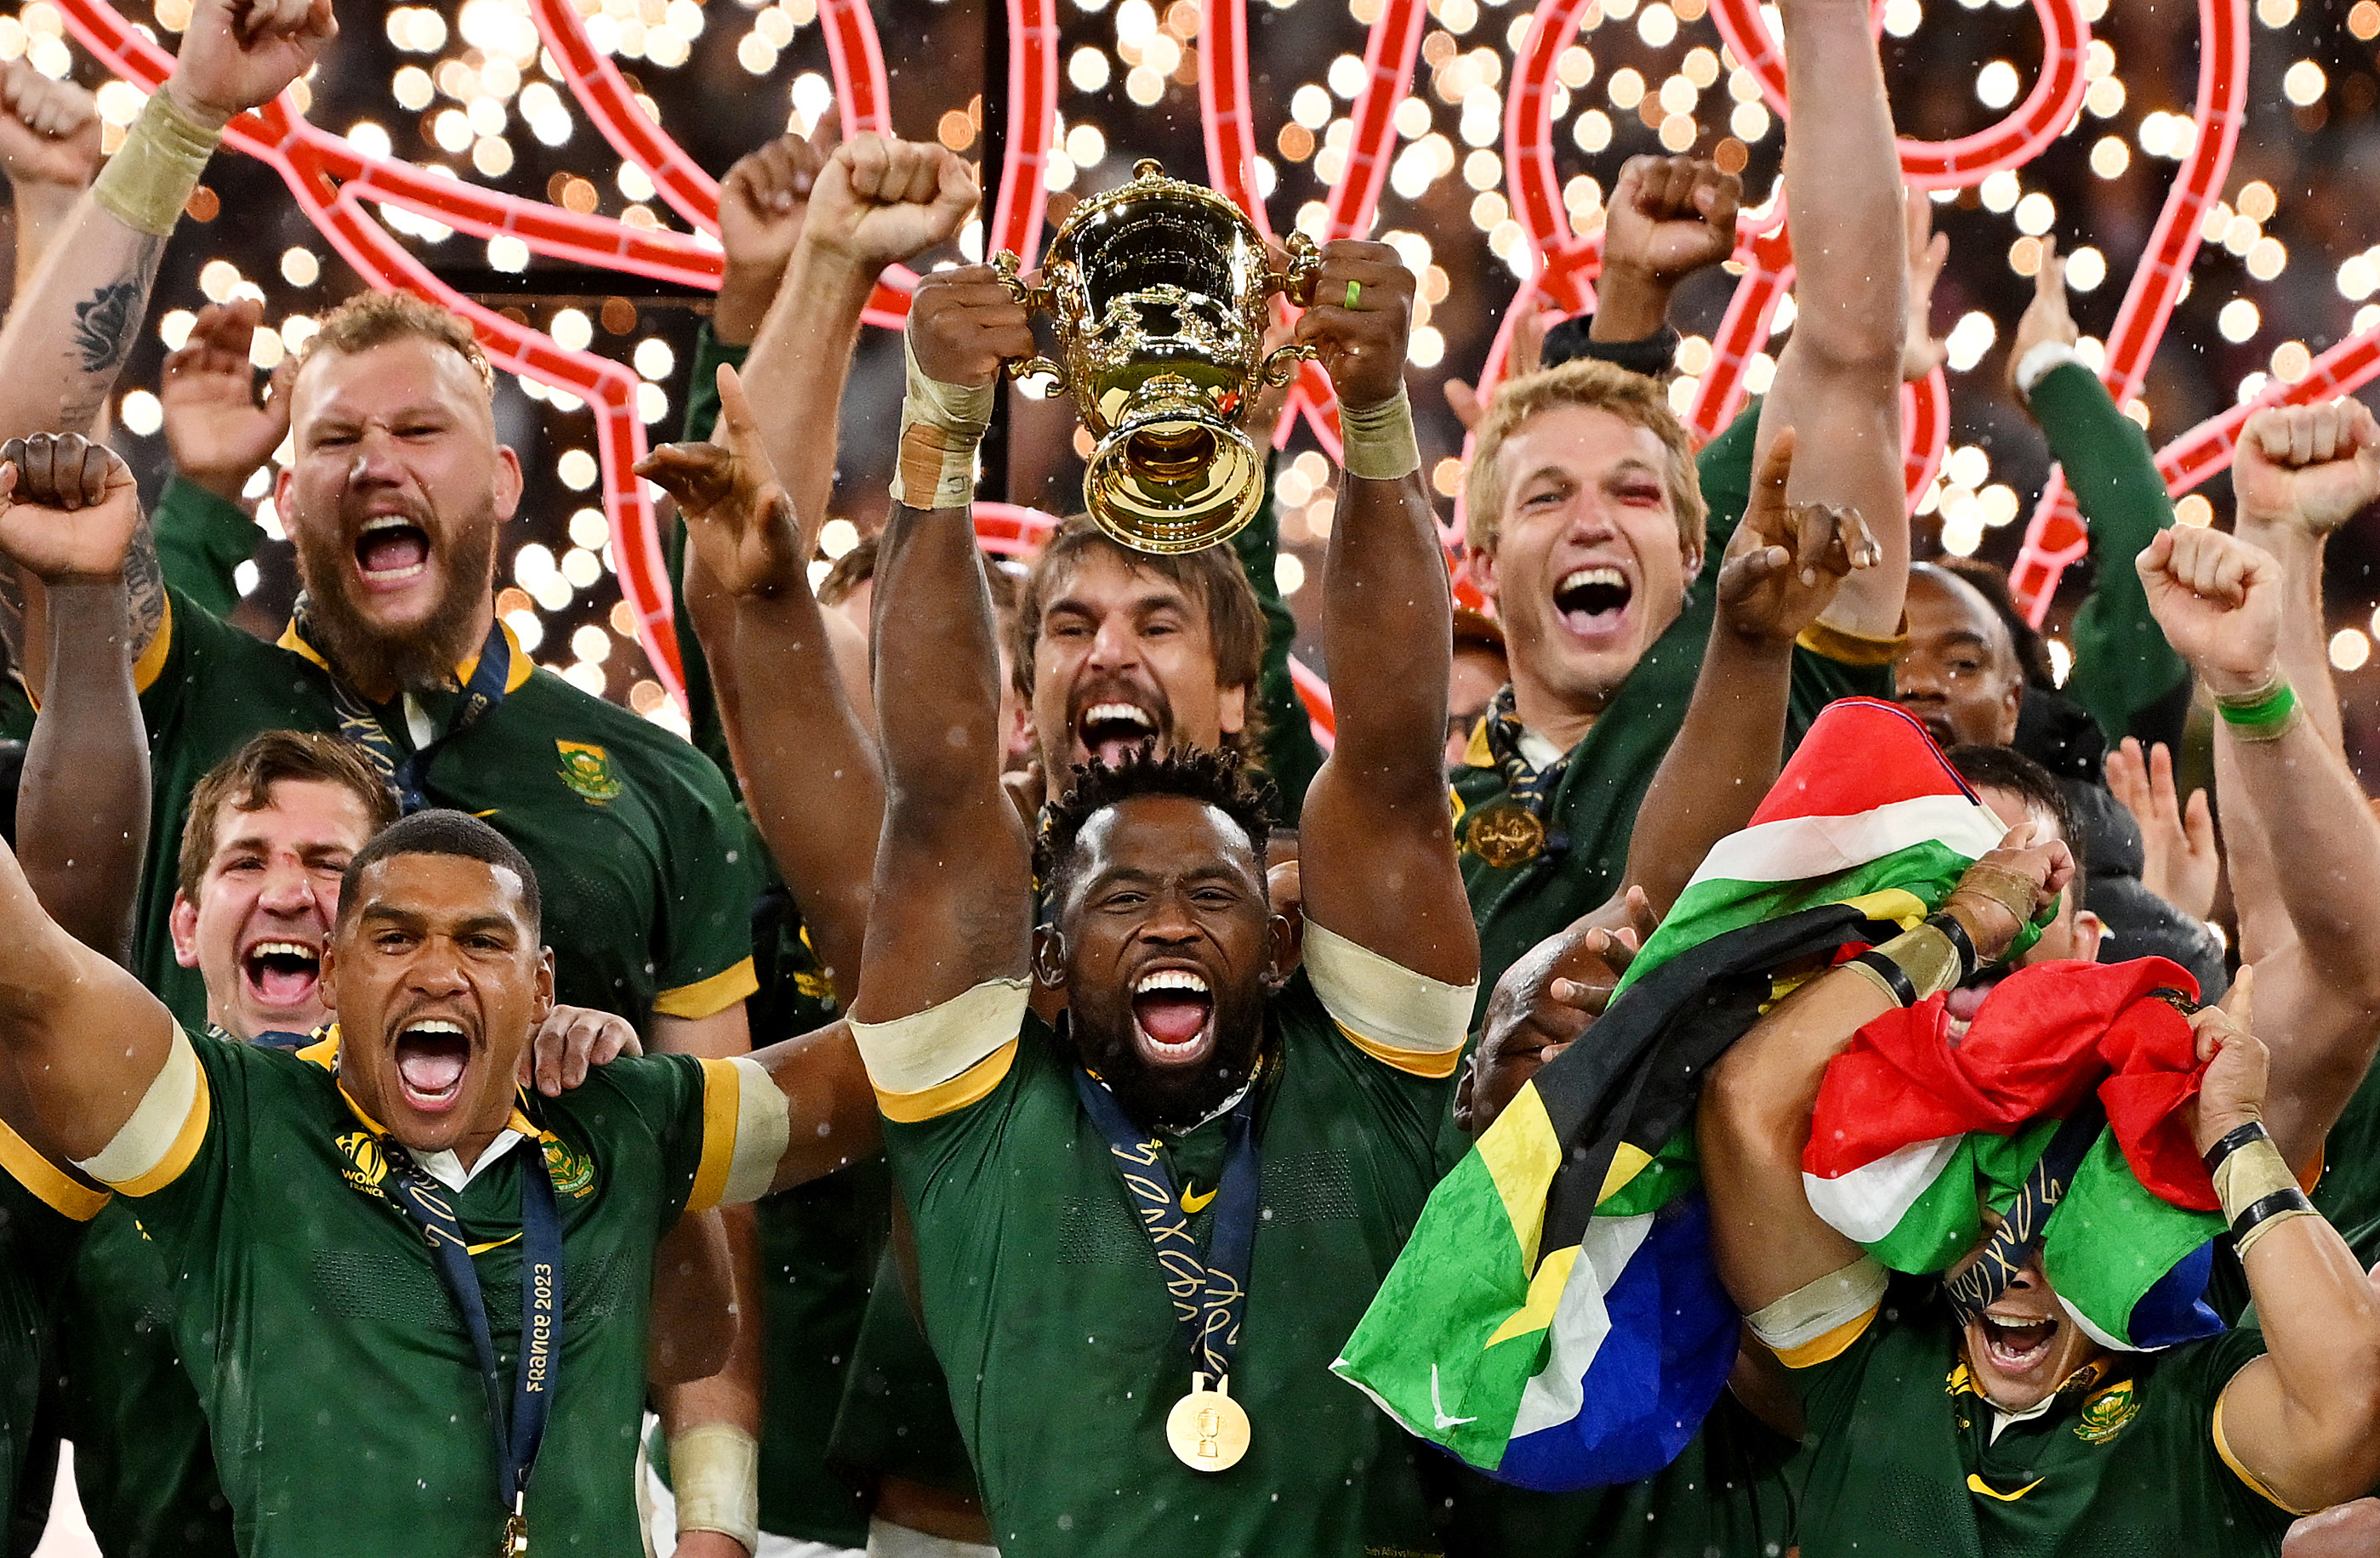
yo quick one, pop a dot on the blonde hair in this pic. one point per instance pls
(375, 319)
(1597, 386)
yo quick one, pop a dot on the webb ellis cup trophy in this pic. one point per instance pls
(1158, 291)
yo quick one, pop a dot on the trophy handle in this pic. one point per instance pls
(1295, 280)
(1281, 363)
(1033, 300)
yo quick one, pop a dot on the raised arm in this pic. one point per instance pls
(2303, 1420)
(2221, 602)
(876, 202)
(82, 812)
(1375, 846)
(49, 143)
(1838, 384)
(1755, 1117)
(953, 891)
(1781, 572)
(807, 768)
(85, 1038)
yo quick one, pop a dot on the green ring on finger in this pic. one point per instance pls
(1354, 290)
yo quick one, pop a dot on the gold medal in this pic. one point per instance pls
(1208, 1429)
(515, 1543)
(1505, 835)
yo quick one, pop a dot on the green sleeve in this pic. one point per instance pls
(1291, 756)
(713, 872)
(668, 1098)
(201, 540)
(2122, 661)
(701, 416)
(1724, 470)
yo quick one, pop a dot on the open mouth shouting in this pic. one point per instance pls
(432, 1056)
(392, 552)
(1592, 601)
(2015, 1344)
(281, 975)
(1173, 1017)
(1112, 730)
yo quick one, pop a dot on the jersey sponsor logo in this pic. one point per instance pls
(573, 1171)
(587, 770)
(2105, 1415)
(365, 1168)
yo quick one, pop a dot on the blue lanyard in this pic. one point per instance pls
(408, 773)
(1979, 1284)
(521, 1429)
(1211, 1288)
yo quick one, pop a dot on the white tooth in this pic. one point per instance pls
(1171, 979)
(280, 948)
(435, 1025)
(387, 522)
(1578, 578)
(1098, 713)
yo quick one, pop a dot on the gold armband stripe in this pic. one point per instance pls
(970, 1086)
(1826, 1348)
(721, 1090)
(708, 997)
(52, 1185)
(2255, 1483)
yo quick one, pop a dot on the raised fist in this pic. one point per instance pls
(215, 428)
(964, 323)
(1669, 217)
(880, 201)
(2218, 600)
(2311, 466)
(1361, 345)
(2238, 1065)
(68, 507)
(49, 130)
(738, 519)
(239, 55)
(762, 202)
(1786, 559)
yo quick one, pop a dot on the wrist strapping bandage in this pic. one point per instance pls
(2264, 714)
(1914, 965)
(2255, 1185)
(1376, 442)
(149, 180)
(715, 1471)
(941, 425)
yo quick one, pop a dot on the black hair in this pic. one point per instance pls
(440, 832)
(1212, 779)
(2004, 768)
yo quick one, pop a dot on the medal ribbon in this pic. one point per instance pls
(519, 1430)
(361, 727)
(1527, 785)
(1208, 1288)
(1973, 1289)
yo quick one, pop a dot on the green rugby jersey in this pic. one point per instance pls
(2348, 1191)
(648, 868)
(2128, 1463)
(343, 1393)
(44, 1214)
(1049, 1311)
(1592, 810)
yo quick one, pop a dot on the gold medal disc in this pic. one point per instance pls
(1208, 1429)
(1505, 835)
(516, 1544)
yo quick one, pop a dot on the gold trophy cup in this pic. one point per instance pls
(1160, 293)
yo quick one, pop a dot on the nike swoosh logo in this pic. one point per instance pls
(1979, 1485)
(1438, 1405)
(493, 1244)
(1193, 1204)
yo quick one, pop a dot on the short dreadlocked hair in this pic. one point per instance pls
(1211, 778)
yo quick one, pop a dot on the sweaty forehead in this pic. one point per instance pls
(409, 372)
(1941, 606)
(1580, 439)
(1163, 836)
(298, 811)
(440, 888)
(1100, 580)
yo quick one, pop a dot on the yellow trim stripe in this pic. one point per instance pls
(970, 1086)
(491, 1244)
(51, 1185)
(708, 997)
(1976, 1484)
(519, 670)
(1435, 1065)
(152, 663)
(298, 646)
(1545, 1297)
(1853, 649)
(722, 1087)
(1476, 753)
(1521, 1152)
(185, 1149)
(1830, 1347)
(2255, 1483)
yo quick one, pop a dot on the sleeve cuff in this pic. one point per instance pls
(746, 1124)
(707, 997)
(947, 1057)
(2034, 366)
(1398, 1018)
(166, 1129)
(1852, 648)
(1813, 1324)
(54, 1188)
(1571, 341)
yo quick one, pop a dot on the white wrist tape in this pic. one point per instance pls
(1376, 442)
(2034, 366)
(149, 180)
(715, 1471)
(941, 425)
